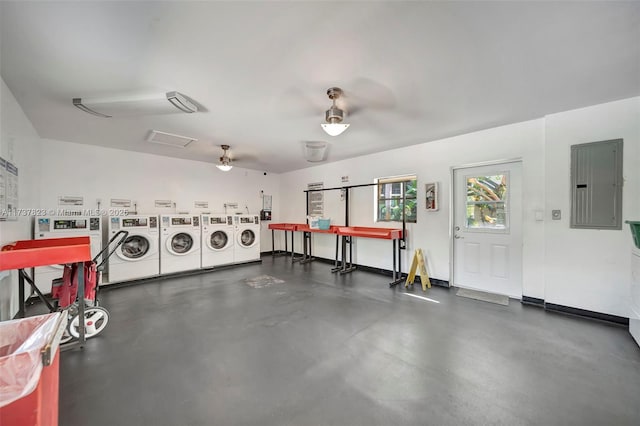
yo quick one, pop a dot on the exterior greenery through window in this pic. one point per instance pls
(390, 199)
(487, 202)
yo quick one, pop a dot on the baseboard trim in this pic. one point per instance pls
(532, 301)
(568, 310)
(577, 312)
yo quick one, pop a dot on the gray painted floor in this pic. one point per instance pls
(324, 349)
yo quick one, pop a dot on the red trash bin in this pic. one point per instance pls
(29, 370)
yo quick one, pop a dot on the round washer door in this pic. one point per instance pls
(180, 243)
(218, 240)
(135, 247)
(247, 238)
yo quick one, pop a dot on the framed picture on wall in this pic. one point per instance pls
(431, 196)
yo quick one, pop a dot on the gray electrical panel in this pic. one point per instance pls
(596, 185)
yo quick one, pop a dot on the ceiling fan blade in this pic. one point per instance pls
(295, 103)
(370, 94)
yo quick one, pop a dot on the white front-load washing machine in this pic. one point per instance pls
(139, 255)
(63, 227)
(247, 245)
(179, 243)
(218, 233)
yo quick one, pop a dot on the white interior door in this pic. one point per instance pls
(487, 228)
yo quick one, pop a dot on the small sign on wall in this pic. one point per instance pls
(431, 196)
(117, 202)
(201, 204)
(164, 203)
(70, 201)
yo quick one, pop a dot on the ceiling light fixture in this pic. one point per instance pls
(225, 161)
(334, 115)
(136, 105)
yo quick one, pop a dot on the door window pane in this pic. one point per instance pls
(487, 203)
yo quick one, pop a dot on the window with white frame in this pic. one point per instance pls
(389, 199)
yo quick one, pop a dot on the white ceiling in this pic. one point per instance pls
(412, 71)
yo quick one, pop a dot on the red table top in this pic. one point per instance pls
(367, 232)
(53, 251)
(283, 226)
(350, 231)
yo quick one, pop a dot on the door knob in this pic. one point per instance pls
(458, 237)
(457, 228)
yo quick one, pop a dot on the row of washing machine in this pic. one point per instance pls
(157, 245)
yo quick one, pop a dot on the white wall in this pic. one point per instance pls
(431, 162)
(101, 173)
(585, 268)
(20, 144)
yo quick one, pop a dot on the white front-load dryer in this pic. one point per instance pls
(179, 243)
(139, 255)
(63, 227)
(247, 245)
(218, 234)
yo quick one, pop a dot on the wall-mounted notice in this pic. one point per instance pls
(164, 203)
(431, 196)
(66, 200)
(201, 204)
(11, 192)
(230, 205)
(8, 190)
(316, 199)
(118, 202)
(267, 202)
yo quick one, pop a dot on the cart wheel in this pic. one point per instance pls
(95, 320)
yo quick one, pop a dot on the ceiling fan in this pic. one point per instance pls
(225, 160)
(334, 115)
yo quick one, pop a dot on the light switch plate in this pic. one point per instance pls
(556, 214)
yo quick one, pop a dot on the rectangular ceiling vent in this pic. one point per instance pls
(170, 139)
(135, 105)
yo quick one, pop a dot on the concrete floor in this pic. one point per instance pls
(324, 349)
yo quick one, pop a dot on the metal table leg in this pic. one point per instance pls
(273, 242)
(346, 269)
(336, 268)
(397, 279)
(307, 257)
(21, 310)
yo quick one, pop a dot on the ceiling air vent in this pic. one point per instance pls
(133, 105)
(170, 139)
(315, 151)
